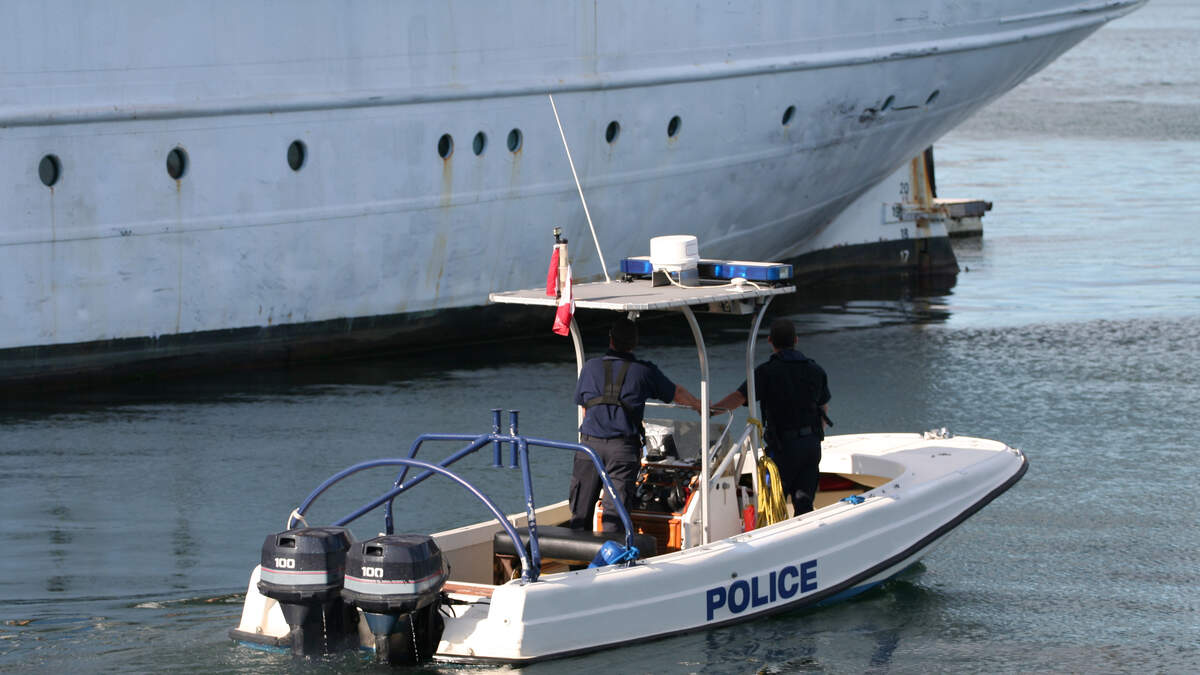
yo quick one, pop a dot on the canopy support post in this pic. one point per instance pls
(751, 398)
(704, 405)
(578, 342)
(756, 440)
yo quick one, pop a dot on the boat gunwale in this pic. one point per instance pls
(807, 601)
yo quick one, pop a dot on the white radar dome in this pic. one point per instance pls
(674, 252)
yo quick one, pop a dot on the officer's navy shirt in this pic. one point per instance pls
(779, 382)
(643, 381)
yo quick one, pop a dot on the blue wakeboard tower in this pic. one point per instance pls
(531, 559)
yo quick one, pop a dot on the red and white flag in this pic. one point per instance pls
(566, 307)
(552, 275)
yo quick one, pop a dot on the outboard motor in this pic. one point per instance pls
(302, 569)
(396, 580)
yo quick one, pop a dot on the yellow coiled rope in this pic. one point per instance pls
(771, 507)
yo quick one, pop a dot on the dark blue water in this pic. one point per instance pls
(131, 518)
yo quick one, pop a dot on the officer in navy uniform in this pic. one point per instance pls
(613, 390)
(794, 393)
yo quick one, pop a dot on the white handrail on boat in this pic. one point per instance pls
(716, 445)
(739, 446)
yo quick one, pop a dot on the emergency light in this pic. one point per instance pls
(717, 270)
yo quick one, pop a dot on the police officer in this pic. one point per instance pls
(794, 392)
(613, 390)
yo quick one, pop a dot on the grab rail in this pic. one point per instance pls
(738, 448)
(716, 445)
(298, 514)
(531, 566)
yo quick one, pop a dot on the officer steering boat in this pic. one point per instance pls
(717, 548)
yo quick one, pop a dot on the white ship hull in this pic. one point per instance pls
(375, 235)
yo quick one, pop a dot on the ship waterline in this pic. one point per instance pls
(237, 182)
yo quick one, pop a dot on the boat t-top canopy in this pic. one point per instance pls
(738, 296)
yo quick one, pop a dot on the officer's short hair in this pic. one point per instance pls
(783, 333)
(624, 335)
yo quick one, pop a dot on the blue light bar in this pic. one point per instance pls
(725, 270)
(720, 270)
(638, 267)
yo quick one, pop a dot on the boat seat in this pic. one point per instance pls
(563, 543)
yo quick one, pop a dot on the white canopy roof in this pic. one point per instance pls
(639, 295)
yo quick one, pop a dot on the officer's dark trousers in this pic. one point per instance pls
(621, 458)
(798, 459)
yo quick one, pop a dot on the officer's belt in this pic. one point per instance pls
(792, 434)
(634, 438)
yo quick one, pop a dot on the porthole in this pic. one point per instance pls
(933, 96)
(49, 170)
(177, 161)
(788, 115)
(887, 103)
(479, 144)
(613, 130)
(514, 140)
(445, 146)
(296, 154)
(673, 126)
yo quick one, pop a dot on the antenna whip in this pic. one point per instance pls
(579, 187)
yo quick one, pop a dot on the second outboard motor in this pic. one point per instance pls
(302, 569)
(396, 580)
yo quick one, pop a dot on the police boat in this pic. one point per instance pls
(709, 541)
